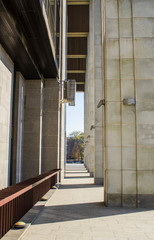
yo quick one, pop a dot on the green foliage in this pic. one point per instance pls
(75, 145)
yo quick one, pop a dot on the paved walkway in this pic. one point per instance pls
(76, 212)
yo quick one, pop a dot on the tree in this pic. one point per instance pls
(75, 145)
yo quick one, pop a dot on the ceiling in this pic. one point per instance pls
(78, 29)
(24, 35)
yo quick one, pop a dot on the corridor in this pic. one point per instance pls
(75, 212)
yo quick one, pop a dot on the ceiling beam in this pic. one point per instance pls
(77, 34)
(80, 83)
(76, 56)
(76, 71)
(77, 2)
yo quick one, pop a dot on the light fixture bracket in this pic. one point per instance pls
(101, 102)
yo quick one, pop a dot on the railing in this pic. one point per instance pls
(16, 200)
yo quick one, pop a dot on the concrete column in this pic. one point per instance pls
(120, 119)
(18, 130)
(6, 86)
(32, 130)
(143, 43)
(128, 116)
(94, 156)
(86, 112)
(62, 76)
(129, 74)
(63, 141)
(88, 158)
(98, 93)
(89, 121)
(50, 125)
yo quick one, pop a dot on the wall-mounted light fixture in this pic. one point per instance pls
(69, 90)
(101, 102)
(129, 101)
(92, 127)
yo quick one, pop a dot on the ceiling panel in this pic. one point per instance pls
(78, 18)
(80, 88)
(76, 64)
(78, 29)
(79, 77)
(77, 45)
(25, 37)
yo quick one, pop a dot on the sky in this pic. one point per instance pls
(75, 115)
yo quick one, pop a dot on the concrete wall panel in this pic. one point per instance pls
(129, 158)
(129, 182)
(18, 134)
(125, 32)
(125, 9)
(143, 8)
(6, 86)
(114, 163)
(147, 46)
(32, 117)
(112, 90)
(111, 9)
(112, 49)
(114, 176)
(50, 125)
(112, 28)
(143, 27)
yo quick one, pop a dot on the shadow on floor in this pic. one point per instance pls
(73, 212)
(74, 172)
(77, 177)
(72, 186)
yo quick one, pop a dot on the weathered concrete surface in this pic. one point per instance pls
(6, 86)
(50, 125)
(89, 101)
(144, 77)
(94, 156)
(62, 77)
(129, 129)
(98, 93)
(32, 118)
(18, 130)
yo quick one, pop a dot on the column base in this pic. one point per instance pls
(98, 181)
(146, 201)
(114, 200)
(91, 174)
(130, 200)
